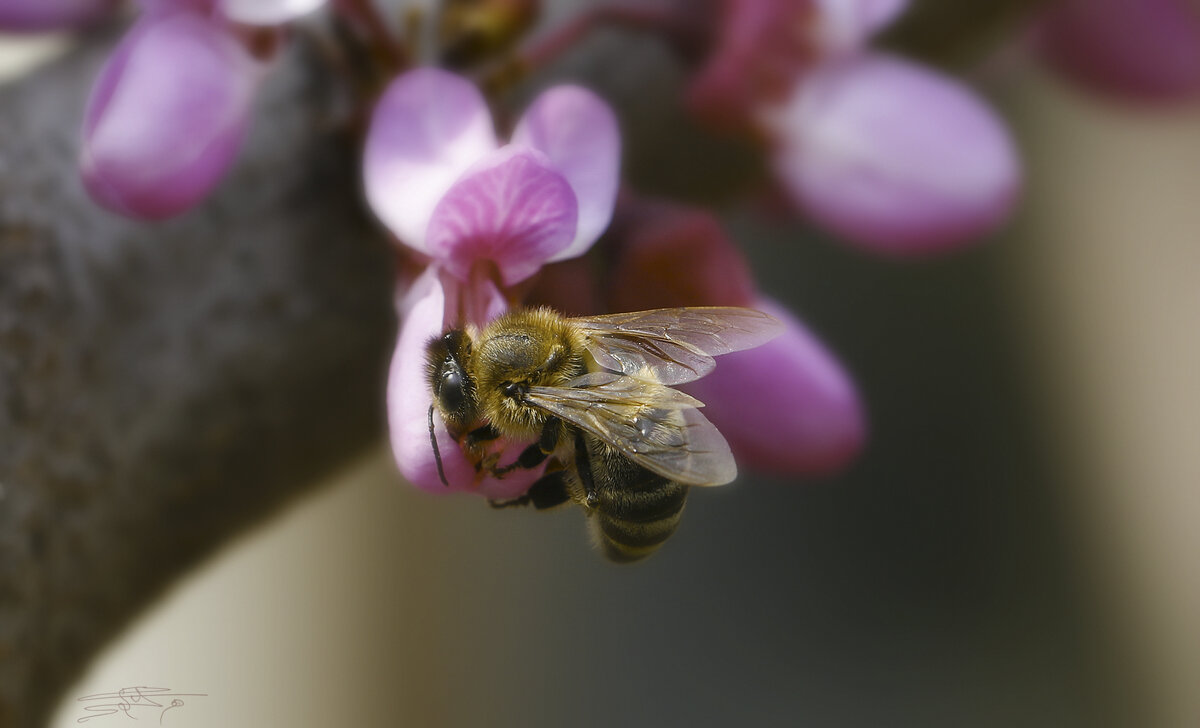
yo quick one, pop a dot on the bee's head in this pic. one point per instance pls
(452, 386)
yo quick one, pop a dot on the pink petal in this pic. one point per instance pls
(896, 157)
(424, 315)
(672, 255)
(512, 211)
(847, 25)
(577, 131)
(167, 116)
(43, 15)
(267, 12)
(787, 407)
(761, 46)
(428, 128)
(1142, 49)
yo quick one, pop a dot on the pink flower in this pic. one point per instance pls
(894, 157)
(763, 46)
(889, 155)
(787, 407)
(172, 106)
(486, 217)
(167, 116)
(1139, 49)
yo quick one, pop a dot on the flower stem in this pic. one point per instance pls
(364, 16)
(547, 48)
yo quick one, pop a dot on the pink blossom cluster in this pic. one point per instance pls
(889, 155)
(486, 217)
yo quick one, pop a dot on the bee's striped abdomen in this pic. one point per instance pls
(635, 510)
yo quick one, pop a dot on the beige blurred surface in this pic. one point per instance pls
(286, 626)
(18, 54)
(1107, 283)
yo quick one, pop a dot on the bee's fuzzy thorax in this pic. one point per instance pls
(529, 348)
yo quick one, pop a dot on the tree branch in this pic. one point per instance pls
(162, 386)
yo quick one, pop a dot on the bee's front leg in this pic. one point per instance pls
(535, 454)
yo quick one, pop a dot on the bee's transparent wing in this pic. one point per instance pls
(673, 345)
(655, 426)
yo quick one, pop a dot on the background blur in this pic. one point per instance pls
(1015, 547)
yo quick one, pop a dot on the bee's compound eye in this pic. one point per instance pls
(452, 394)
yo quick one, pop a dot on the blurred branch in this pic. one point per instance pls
(957, 33)
(163, 386)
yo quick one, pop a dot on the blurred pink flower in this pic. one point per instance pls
(1138, 49)
(887, 154)
(895, 157)
(172, 106)
(42, 15)
(762, 46)
(486, 217)
(167, 116)
(787, 407)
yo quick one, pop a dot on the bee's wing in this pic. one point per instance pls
(655, 426)
(676, 344)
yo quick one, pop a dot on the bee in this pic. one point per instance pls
(594, 396)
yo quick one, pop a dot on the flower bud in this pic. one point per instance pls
(167, 116)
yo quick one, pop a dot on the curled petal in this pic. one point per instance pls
(512, 210)
(425, 313)
(43, 15)
(428, 128)
(167, 116)
(787, 407)
(267, 12)
(847, 25)
(894, 156)
(1142, 49)
(577, 131)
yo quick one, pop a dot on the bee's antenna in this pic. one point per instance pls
(436, 454)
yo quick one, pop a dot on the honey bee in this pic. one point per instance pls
(595, 397)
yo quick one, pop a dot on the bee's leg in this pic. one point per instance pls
(535, 454)
(583, 466)
(472, 444)
(547, 492)
(487, 433)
